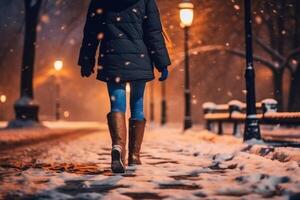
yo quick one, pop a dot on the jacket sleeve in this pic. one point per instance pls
(153, 36)
(91, 35)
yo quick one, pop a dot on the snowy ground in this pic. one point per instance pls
(193, 165)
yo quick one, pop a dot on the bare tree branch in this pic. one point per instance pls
(221, 48)
(275, 54)
(291, 55)
(236, 52)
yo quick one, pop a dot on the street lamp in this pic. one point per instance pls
(3, 99)
(252, 130)
(186, 18)
(58, 65)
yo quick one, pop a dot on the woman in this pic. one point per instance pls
(131, 44)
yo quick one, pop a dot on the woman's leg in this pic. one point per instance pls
(137, 89)
(137, 122)
(117, 96)
(117, 126)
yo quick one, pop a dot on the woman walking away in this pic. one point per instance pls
(131, 43)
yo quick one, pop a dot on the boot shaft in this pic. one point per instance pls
(136, 135)
(117, 128)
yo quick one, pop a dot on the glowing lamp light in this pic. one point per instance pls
(3, 98)
(186, 12)
(58, 65)
(66, 114)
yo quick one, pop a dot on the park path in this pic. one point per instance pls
(193, 165)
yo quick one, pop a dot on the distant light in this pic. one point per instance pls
(3, 98)
(66, 114)
(58, 65)
(186, 13)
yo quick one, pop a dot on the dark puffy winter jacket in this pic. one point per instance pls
(130, 37)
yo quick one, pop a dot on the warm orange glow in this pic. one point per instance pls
(58, 65)
(66, 114)
(3, 98)
(186, 13)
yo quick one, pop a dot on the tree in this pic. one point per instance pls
(279, 48)
(294, 92)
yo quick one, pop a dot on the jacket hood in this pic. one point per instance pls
(119, 4)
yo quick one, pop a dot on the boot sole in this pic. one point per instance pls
(117, 165)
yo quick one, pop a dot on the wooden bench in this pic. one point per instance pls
(234, 113)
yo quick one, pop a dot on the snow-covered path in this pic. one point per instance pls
(192, 165)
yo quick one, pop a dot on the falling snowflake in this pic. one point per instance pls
(118, 79)
(194, 101)
(134, 10)
(72, 42)
(118, 19)
(66, 114)
(45, 19)
(258, 19)
(236, 7)
(99, 11)
(100, 36)
(113, 98)
(294, 62)
(100, 67)
(39, 28)
(127, 63)
(142, 55)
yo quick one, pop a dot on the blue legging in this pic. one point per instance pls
(117, 94)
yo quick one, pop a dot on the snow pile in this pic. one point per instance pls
(176, 165)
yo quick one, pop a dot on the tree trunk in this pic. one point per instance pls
(278, 92)
(294, 96)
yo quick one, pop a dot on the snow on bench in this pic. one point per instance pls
(234, 112)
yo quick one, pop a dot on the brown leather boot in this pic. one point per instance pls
(118, 133)
(136, 135)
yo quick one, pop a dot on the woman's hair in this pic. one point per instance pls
(167, 38)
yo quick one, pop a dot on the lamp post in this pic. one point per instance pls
(26, 109)
(3, 99)
(58, 65)
(163, 104)
(252, 129)
(186, 18)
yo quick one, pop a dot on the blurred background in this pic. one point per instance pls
(216, 74)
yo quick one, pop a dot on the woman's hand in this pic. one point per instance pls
(164, 74)
(86, 71)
